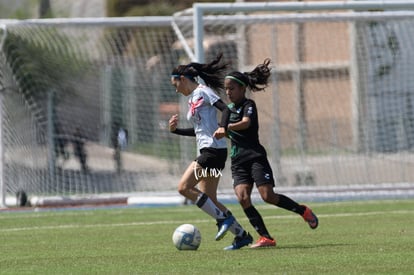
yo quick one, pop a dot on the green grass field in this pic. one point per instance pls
(358, 237)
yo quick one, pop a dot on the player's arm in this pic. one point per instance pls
(225, 117)
(244, 123)
(173, 122)
(225, 113)
(240, 125)
(184, 132)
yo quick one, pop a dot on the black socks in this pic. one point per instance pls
(289, 204)
(256, 221)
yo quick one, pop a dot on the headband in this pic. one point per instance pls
(185, 75)
(235, 79)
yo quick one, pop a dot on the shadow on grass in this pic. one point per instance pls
(310, 246)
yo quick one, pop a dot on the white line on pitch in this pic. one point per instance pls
(402, 212)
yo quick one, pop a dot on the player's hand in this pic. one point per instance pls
(173, 122)
(220, 133)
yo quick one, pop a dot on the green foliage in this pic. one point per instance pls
(153, 9)
(20, 10)
(148, 7)
(366, 237)
(37, 67)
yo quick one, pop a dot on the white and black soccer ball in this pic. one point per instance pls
(186, 237)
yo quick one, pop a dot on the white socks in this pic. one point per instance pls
(208, 206)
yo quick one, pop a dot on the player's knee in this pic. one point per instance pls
(182, 189)
(266, 198)
(245, 204)
(270, 197)
(244, 200)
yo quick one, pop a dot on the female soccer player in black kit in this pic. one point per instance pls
(249, 162)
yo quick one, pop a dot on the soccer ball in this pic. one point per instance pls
(186, 237)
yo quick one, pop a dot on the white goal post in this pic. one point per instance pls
(339, 111)
(67, 86)
(363, 46)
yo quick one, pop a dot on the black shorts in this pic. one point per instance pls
(212, 158)
(253, 171)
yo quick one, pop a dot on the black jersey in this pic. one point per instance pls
(245, 144)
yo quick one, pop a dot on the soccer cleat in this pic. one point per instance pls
(310, 218)
(239, 242)
(264, 242)
(224, 226)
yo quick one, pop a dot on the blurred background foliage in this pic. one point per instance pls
(149, 7)
(25, 9)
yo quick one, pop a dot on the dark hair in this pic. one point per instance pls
(255, 80)
(212, 73)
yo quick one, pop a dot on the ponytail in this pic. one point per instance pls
(211, 73)
(255, 80)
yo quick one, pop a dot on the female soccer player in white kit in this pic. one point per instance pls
(206, 169)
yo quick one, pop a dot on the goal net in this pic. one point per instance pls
(84, 107)
(84, 103)
(339, 111)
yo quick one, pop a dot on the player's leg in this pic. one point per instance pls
(263, 176)
(187, 188)
(243, 192)
(211, 162)
(187, 183)
(243, 187)
(268, 195)
(242, 237)
(209, 185)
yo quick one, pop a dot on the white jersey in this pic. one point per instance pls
(203, 115)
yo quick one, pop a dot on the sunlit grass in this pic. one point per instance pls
(367, 237)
